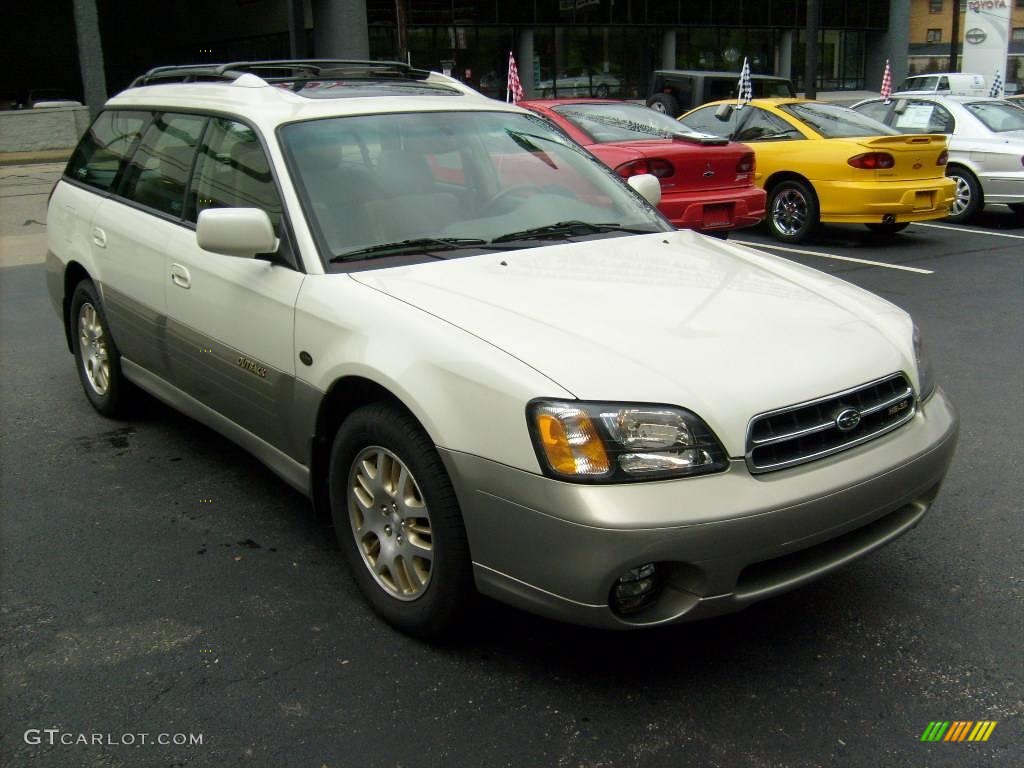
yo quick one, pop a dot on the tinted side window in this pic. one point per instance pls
(764, 125)
(102, 152)
(233, 172)
(159, 169)
(704, 121)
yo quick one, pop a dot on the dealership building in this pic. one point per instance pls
(563, 47)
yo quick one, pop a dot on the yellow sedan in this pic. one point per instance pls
(821, 162)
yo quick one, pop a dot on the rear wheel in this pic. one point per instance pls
(398, 522)
(888, 229)
(792, 211)
(665, 103)
(968, 200)
(97, 358)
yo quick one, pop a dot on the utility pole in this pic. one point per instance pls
(954, 41)
(811, 56)
(90, 55)
(297, 29)
(401, 38)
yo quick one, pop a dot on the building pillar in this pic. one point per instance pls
(784, 54)
(90, 55)
(524, 62)
(340, 30)
(892, 44)
(668, 49)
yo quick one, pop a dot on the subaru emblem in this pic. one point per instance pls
(848, 419)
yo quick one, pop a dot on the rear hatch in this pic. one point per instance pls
(915, 156)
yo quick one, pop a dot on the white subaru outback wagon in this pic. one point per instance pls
(492, 360)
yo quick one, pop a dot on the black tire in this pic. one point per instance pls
(792, 214)
(664, 102)
(97, 358)
(372, 438)
(969, 199)
(1017, 208)
(888, 229)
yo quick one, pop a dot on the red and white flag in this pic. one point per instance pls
(887, 83)
(514, 91)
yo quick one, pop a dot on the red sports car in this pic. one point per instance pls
(707, 183)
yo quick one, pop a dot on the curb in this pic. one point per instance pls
(35, 157)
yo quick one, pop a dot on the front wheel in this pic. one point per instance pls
(792, 211)
(398, 522)
(968, 200)
(97, 358)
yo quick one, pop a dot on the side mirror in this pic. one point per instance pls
(648, 186)
(724, 112)
(242, 232)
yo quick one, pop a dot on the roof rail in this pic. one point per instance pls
(283, 71)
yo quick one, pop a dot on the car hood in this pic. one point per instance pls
(674, 318)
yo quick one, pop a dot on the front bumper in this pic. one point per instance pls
(869, 202)
(714, 211)
(722, 541)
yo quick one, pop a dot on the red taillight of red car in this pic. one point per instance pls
(943, 158)
(655, 165)
(872, 161)
(746, 163)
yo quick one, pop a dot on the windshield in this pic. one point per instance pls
(835, 122)
(451, 180)
(998, 116)
(621, 122)
(920, 84)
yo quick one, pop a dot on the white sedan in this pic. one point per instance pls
(986, 144)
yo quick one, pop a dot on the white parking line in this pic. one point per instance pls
(917, 270)
(972, 231)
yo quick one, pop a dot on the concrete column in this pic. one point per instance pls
(339, 29)
(668, 49)
(784, 54)
(524, 62)
(90, 55)
(893, 44)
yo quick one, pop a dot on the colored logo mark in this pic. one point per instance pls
(958, 730)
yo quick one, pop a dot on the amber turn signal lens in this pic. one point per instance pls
(571, 443)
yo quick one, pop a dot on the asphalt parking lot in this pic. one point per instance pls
(155, 579)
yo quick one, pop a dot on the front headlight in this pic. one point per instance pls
(621, 442)
(925, 374)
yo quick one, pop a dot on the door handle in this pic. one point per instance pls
(180, 276)
(99, 237)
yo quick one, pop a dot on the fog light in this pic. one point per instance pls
(636, 589)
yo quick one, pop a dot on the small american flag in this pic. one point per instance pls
(997, 86)
(887, 83)
(745, 90)
(514, 91)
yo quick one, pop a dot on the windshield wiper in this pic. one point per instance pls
(421, 244)
(565, 229)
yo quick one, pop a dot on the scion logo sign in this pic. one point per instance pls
(975, 36)
(249, 365)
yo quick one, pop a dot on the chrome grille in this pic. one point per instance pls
(808, 431)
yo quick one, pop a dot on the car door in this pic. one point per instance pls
(129, 236)
(230, 327)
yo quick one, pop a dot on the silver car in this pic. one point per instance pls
(986, 144)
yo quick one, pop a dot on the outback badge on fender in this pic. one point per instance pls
(249, 365)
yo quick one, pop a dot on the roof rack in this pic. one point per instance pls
(283, 71)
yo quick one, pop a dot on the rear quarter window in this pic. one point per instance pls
(102, 153)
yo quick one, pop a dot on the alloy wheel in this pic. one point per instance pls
(95, 352)
(391, 523)
(789, 212)
(962, 198)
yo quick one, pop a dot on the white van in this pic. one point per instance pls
(952, 83)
